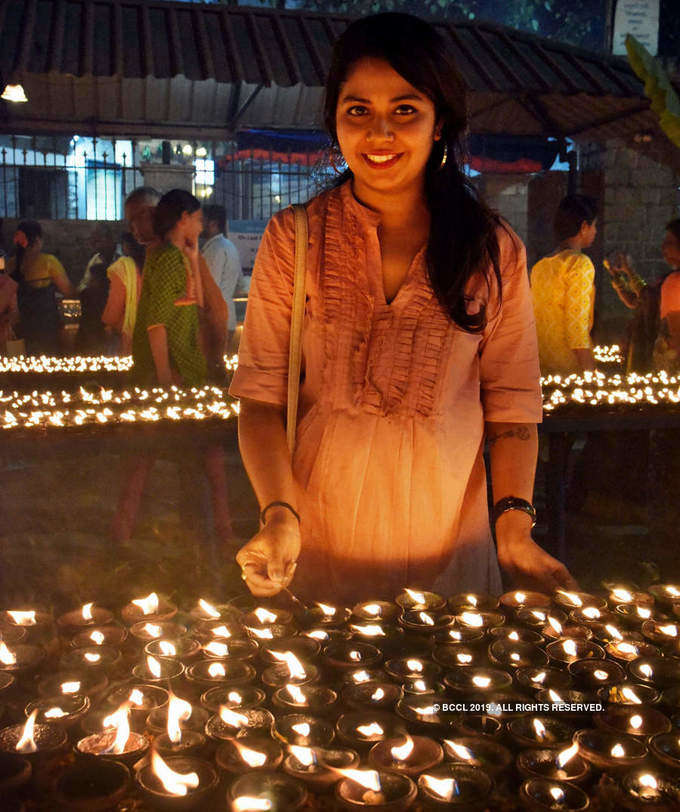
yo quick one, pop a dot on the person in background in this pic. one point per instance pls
(105, 253)
(223, 261)
(91, 337)
(39, 277)
(9, 309)
(125, 277)
(563, 290)
(667, 345)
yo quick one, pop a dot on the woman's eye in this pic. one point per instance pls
(356, 110)
(405, 109)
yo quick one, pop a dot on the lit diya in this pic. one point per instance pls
(33, 741)
(610, 751)
(63, 710)
(406, 754)
(36, 622)
(180, 648)
(634, 616)
(351, 654)
(303, 647)
(633, 720)
(479, 619)
(522, 598)
(562, 765)
(98, 658)
(539, 678)
(577, 600)
(568, 650)
(361, 789)
(455, 786)
(412, 668)
(289, 670)
(20, 660)
(325, 615)
(596, 673)
(423, 714)
(629, 693)
(362, 729)
(536, 618)
(611, 632)
(146, 630)
(230, 649)
(459, 634)
(424, 622)
(477, 724)
(158, 669)
(317, 699)
(553, 629)
(244, 696)
(87, 683)
(627, 650)
(661, 672)
(666, 748)
(141, 700)
(179, 782)
(472, 600)
(359, 676)
(206, 611)
(449, 655)
(666, 594)
(206, 674)
(326, 634)
(152, 609)
(587, 615)
(218, 630)
(417, 686)
(304, 730)
(417, 600)
(507, 653)
(263, 618)
(318, 766)
(646, 789)
(117, 741)
(563, 702)
(515, 634)
(86, 615)
(178, 740)
(266, 790)
(546, 732)
(248, 752)
(110, 635)
(231, 724)
(464, 680)
(478, 751)
(622, 594)
(376, 611)
(538, 794)
(375, 695)
(663, 633)
(157, 720)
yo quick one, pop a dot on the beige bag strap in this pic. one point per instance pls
(295, 351)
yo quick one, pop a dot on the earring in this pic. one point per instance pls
(445, 155)
(331, 160)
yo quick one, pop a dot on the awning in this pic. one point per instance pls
(160, 68)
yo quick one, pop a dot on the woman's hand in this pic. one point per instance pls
(269, 559)
(191, 249)
(529, 566)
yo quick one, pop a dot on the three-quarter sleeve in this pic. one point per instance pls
(578, 304)
(509, 369)
(262, 372)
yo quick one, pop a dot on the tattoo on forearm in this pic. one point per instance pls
(521, 432)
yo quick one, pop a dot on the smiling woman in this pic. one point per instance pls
(418, 339)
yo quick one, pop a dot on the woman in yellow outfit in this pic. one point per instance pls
(125, 276)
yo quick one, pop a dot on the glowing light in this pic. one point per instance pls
(373, 609)
(120, 720)
(569, 647)
(208, 609)
(402, 752)
(414, 666)
(471, 599)
(91, 657)
(253, 758)
(539, 728)
(136, 698)
(235, 697)
(365, 778)
(87, 611)
(520, 597)
(297, 694)
(644, 612)
(472, 619)
(566, 755)
(369, 630)
(305, 755)
(554, 696)
(23, 618)
(636, 722)
(626, 648)
(26, 743)
(152, 629)
(514, 656)
(481, 682)
(427, 710)
(445, 788)
(154, 666)
(328, 611)
(648, 781)
(671, 630)
(378, 694)
(540, 677)
(295, 668)
(220, 631)
(463, 659)
(177, 784)
(264, 615)
(460, 750)
(371, 729)
(539, 615)
(427, 619)
(647, 670)
(673, 591)
(572, 597)
(7, 657)
(513, 636)
(216, 670)
(97, 638)
(148, 605)
(70, 687)
(55, 713)
(613, 632)
(361, 676)
(355, 655)
(557, 794)
(302, 729)
(14, 93)
(418, 598)
(591, 612)
(555, 625)
(246, 803)
(318, 634)
(232, 718)
(600, 674)
(179, 710)
(217, 649)
(167, 648)
(617, 751)
(262, 634)
(419, 686)
(631, 696)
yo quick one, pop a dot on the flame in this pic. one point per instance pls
(622, 595)
(538, 615)
(464, 659)
(55, 713)
(70, 687)
(305, 755)
(520, 597)
(471, 599)
(371, 729)
(366, 778)
(481, 682)
(557, 794)
(92, 658)
(136, 697)
(263, 634)
(208, 609)
(671, 630)
(87, 611)
(539, 727)
(555, 696)
(591, 612)
(414, 666)
(217, 649)
(167, 648)
(154, 666)
(617, 751)
(177, 784)
(318, 634)
(302, 729)
(647, 670)
(402, 752)
(235, 697)
(445, 788)
(569, 647)
(472, 619)
(572, 597)
(232, 718)
(97, 638)
(600, 674)
(513, 636)
(455, 635)
(636, 722)
(121, 721)
(148, 605)
(23, 618)
(631, 696)
(555, 625)
(355, 655)
(644, 612)
(369, 630)
(373, 609)
(647, 780)
(253, 758)
(26, 743)
(626, 648)
(153, 629)
(328, 611)
(361, 676)
(417, 597)
(613, 632)
(378, 694)
(514, 656)
(419, 685)
(540, 677)
(264, 615)
(428, 710)
(460, 750)
(297, 694)
(220, 631)
(673, 591)
(179, 710)
(245, 803)
(566, 755)
(295, 668)
(427, 619)
(6, 656)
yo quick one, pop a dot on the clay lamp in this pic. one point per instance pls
(362, 729)
(537, 617)
(465, 680)
(562, 765)
(577, 600)
(315, 699)
(626, 650)
(568, 650)
(662, 633)
(183, 649)
(629, 693)
(666, 748)
(91, 658)
(141, 700)
(145, 631)
(21, 660)
(479, 619)
(266, 790)
(588, 615)
(604, 633)
(36, 742)
(304, 730)
(370, 789)
(405, 754)
(351, 654)
(13, 634)
(478, 751)
(360, 676)
(68, 683)
(546, 732)
(177, 783)
(116, 742)
(537, 678)
(640, 720)
(661, 672)
(508, 654)
(382, 612)
(522, 599)
(155, 670)
(263, 618)
(423, 715)
(455, 786)
(596, 673)
(666, 595)
(15, 772)
(289, 671)
(324, 615)
(644, 790)
(6, 681)
(91, 785)
(459, 635)
(152, 609)
(424, 622)
(178, 740)
(303, 647)
(450, 655)
(325, 635)
(205, 674)
(417, 686)
(243, 697)
(412, 668)
(539, 794)
(78, 619)
(232, 724)
(634, 616)
(111, 635)
(389, 639)
(317, 766)
(224, 630)
(472, 600)
(206, 611)
(157, 720)
(610, 752)
(59, 710)
(38, 625)
(477, 724)
(554, 629)
(372, 695)
(622, 594)
(417, 600)
(562, 701)
(515, 634)
(248, 753)
(230, 649)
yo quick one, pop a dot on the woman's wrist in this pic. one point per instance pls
(279, 512)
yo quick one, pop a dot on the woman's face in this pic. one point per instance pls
(192, 224)
(385, 127)
(670, 248)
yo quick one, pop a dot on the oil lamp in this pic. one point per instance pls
(472, 600)
(303, 730)
(627, 650)
(666, 748)
(464, 680)
(423, 714)
(206, 674)
(351, 654)
(563, 702)
(406, 754)
(178, 740)
(361, 789)
(116, 741)
(506, 653)
(140, 699)
(455, 786)
(266, 790)
(98, 658)
(249, 753)
(21, 660)
(183, 649)
(362, 729)
(666, 594)
(111, 635)
(412, 668)
(152, 609)
(596, 673)
(37, 623)
(92, 785)
(537, 678)
(262, 618)
(59, 710)
(372, 695)
(289, 670)
(424, 622)
(515, 634)
(317, 699)
(611, 632)
(304, 648)
(317, 767)
(619, 595)
(243, 696)
(587, 615)
(634, 616)
(32, 741)
(536, 618)
(180, 782)
(562, 765)
(479, 619)
(375, 611)
(359, 676)
(661, 672)
(610, 751)
(538, 794)
(577, 600)
(547, 732)
(663, 633)
(450, 655)
(459, 634)
(63, 683)
(158, 669)
(568, 650)
(206, 611)
(146, 630)
(478, 724)
(88, 615)
(478, 751)
(418, 600)
(645, 789)
(157, 721)
(634, 720)
(629, 693)
(553, 629)
(417, 686)
(231, 724)
(325, 615)
(520, 599)
(218, 630)
(327, 634)
(230, 649)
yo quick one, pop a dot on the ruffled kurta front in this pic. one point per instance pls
(393, 401)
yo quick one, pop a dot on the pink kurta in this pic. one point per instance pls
(392, 406)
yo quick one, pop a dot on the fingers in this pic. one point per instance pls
(259, 584)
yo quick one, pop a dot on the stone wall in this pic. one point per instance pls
(508, 195)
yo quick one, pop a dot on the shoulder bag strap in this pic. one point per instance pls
(295, 351)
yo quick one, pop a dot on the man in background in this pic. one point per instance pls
(223, 260)
(105, 253)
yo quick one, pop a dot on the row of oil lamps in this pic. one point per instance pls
(421, 703)
(77, 364)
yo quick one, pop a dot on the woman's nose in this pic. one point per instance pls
(380, 129)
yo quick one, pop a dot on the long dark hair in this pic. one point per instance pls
(463, 237)
(674, 227)
(572, 213)
(32, 230)
(170, 208)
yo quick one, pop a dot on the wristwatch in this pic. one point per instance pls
(513, 503)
